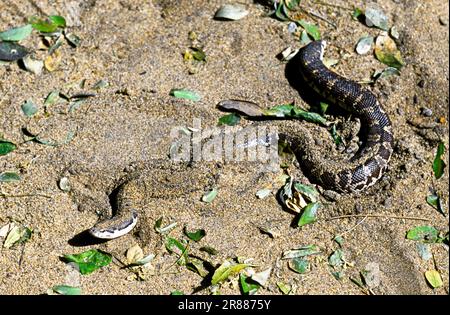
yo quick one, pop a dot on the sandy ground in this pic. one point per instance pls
(137, 47)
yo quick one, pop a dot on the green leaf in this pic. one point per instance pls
(29, 109)
(338, 275)
(42, 25)
(174, 245)
(438, 163)
(336, 137)
(309, 214)
(52, 98)
(248, 286)
(7, 177)
(210, 196)
(51, 143)
(311, 29)
(176, 292)
(304, 38)
(284, 288)
(6, 147)
(66, 290)
(17, 235)
(58, 20)
(90, 260)
(335, 260)
(426, 234)
(226, 270)
(386, 72)
(230, 119)
(100, 84)
(307, 190)
(279, 13)
(198, 54)
(291, 111)
(299, 265)
(284, 110)
(195, 236)
(16, 34)
(434, 278)
(339, 239)
(323, 107)
(186, 94)
(310, 116)
(386, 51)
(291, 4)
(424, 251)
(196, 265)
(435, 201)
(301, 252)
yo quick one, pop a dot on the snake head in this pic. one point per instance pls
(114, 227)
(313, 52)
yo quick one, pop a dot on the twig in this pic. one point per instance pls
(319, 17)
(24, 195)
(376, 216)
(354, 227)
(333, 5)
(181, 255)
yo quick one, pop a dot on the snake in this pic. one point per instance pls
(363, 170)
(368, 165)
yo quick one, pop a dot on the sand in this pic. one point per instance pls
(137, 47)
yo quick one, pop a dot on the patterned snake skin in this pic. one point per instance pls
(370, 161)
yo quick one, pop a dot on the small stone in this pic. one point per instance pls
(64, 184)
(358, 208)
(387, 203)
(443, 20)
(331, 195)
(292, 27)
(426, 112)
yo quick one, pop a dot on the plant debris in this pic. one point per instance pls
(438, 163)
(90, 260)
(231, 12)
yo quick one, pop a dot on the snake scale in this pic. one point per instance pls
(370, 162)
(363, 170)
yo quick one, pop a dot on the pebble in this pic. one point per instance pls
(443, 20)
(358, 208)
(387, 203)
(331, 195)
(425, 111)
(64, 184)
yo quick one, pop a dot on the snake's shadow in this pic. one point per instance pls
(85, 239)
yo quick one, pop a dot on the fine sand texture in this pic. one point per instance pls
(138, 47)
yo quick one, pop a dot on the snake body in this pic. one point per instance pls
(370, 162)
(364, 169)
